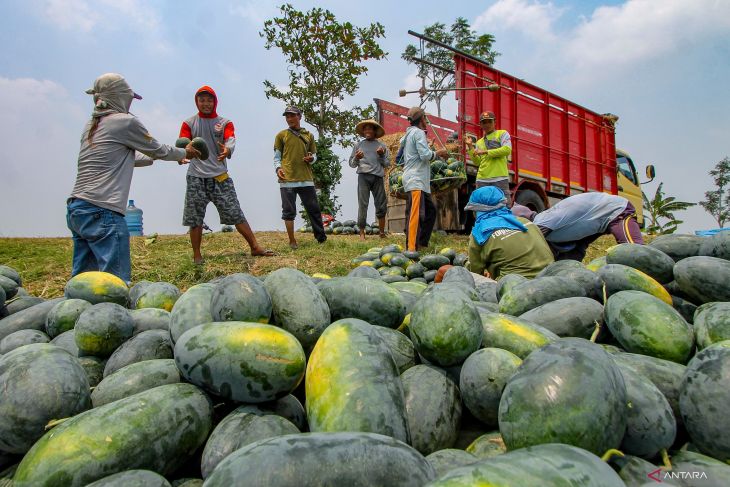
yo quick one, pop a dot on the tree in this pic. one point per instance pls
(459, 35)
(324, 58)
(661, 207)
(717, 202)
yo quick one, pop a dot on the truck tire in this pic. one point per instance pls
(530, 199)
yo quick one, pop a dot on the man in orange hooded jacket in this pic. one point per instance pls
(208, 179)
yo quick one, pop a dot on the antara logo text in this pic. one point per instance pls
(660, 475)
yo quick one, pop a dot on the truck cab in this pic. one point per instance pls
(629, 184)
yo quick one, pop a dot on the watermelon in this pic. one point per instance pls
(400, 346)
(531, 294)
(319, 459)
(97, 287)
(619, 277)
(591, 281)
(459, 274)
(712, 324)
(101, 328)
(487, 446)
(482, 379)
(392, 271)
(448, 459)
(412, 287)
(31, 318)
(182, 142)
(513, 334)
(569, 391)
(288, 407)
(158, 429)
(434, 261)
(703, 399)
(9, 287)
(550, 465)
(366, 299)
(694, 465)
(430, 275)
(352, 383)
(161, 295)
(576, 317)
(507, 282)
(484, 307)
(650, 425)
(557, 267)
(94, 368)
(62, 317)
(146, 319)
(649, 260)
(335, 224)
(240, 297)
(136, 291)
(245, 362)
(132, 478)
(201, 146)
(298, 305)
(349, 223)
(717, 245)
(445, 328)
(393, 278)
(337, 230)
(448, 252)
(399, 260)
(148, 345)
(20, 338)
(238, 429)
(704, 279)
(433, 408)
(632, 470)
(11, 273)
(685, 308)
(414, 255)
(461, 260)
(39, 383)
(678, 246)
(360, 271)
(646, 325)
(596, 264)
(19, 303)
(191, 309)
(67, 341)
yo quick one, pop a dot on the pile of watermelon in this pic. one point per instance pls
(444, 175)
(393, 264)
(612, 374)
(347, 227)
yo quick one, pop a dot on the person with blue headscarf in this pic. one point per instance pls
(502, 243)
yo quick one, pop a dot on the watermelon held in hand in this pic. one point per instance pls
(182, 142)
(202, 147)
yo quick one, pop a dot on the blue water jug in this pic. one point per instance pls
(134, 220)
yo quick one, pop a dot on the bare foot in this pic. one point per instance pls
(259, 252)
(293, 245)
(362, 234)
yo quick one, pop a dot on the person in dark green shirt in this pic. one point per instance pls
(502, 243)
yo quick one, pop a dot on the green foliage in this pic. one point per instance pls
(461, 36)
(717, 202)
(327, 172)
(661, 207)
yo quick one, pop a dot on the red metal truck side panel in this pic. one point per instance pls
(393, 119)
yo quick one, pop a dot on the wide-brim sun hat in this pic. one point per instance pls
(379, 130)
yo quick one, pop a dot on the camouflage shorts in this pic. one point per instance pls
(201, 191)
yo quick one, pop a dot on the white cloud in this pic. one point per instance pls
(255, 12)
(70, 14)
(532, 18)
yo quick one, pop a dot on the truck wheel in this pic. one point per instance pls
(530, 199)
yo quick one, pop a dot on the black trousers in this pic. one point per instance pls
(308, 197)
(366, 184)
(420, 219)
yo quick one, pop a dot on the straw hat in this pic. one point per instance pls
(379, 130)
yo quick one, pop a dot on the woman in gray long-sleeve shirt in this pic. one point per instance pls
(95, 210)
(370, 157)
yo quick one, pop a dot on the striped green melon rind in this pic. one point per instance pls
(191, 309)
(507, 282)
(400, 346)
(415, 269)
(319, 459)
(482, 380)
(694, 465)
(238, 429)
(619, 277)
(102, 328)
(31, 318)
(94, 368)
(20, 338)
(39, 383)
(717, 245)
(366, 299)
(569, 391)
(678, 246)
(132, 478)
(516, 335)
(136, 291)
(536, 292)
(182, 142)
(245, 362)
(11, 273)
(133, 379)
(459, 274)
(445, 327)
(288, 407)
(433, 408)
(487, 445)
(712, 324)
(352, 383)
(590, 280)
(97, 287)
(449, 459)
(703, 400)
(576, 317)
(148, 345)
(650, 425)
(159, 430)
(646, 325)
(557, 267)
(548, 465)
(240, 297)
(62, 317)
(201, 146)
(298, 305)
(160, 295)
(632, 470)
(150, 319)
(649, 260)
(704, 279)
(433, 261)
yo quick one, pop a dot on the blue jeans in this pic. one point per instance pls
(101, 239)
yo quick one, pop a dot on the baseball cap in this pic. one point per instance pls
(292, 109)
(486, 116)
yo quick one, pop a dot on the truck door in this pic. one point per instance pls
(628, 184)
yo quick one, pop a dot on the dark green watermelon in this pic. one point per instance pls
(148, 345)
(459, 274)
(704, 279)
(62, 317)
(9, 287)
(649, 260)
(434, 261)
(400, 346)
(20, 338)
(717, 245)
(449, 459)
(240, 297)
(362, 271)
(576, 317)
(31, 318)
(20, 303)
(135, 378)
(695, 467)
(146, 319)
(619, 277)
(67, 341)
(531, 294)
(557, 267)
(191, 309)
(161, 295)
(487, 446)
(678, 246)
(685, 308)
(366, 299)
(132, 478)
(507, 282)
(487, 291)
(516, 335)
(11, 273)
(712, 324)
(482, 380)
(94, 368)
(101, 328)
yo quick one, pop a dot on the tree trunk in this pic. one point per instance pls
(438, 107)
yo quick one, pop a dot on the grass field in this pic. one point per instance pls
(45, 263)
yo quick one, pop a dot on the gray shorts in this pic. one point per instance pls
(201, 191)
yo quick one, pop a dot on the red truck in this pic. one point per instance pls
(559, 148)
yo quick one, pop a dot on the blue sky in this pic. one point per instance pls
(661, 65)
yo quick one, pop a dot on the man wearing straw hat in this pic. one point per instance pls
(490, 154)
(370, 157)
(417, 157)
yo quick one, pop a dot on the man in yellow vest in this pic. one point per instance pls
(490, 154)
